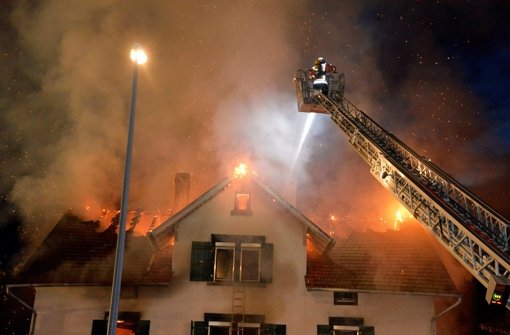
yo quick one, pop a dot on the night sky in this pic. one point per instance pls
(217, 90)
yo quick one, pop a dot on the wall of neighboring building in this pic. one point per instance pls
(284, 301)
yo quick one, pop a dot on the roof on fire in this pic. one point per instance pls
(76, 253)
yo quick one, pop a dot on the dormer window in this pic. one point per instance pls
(242, 204)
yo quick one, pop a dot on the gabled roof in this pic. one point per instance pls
(159, 235)
(395, 261)
(76, 253)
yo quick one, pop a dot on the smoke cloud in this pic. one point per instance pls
(217, 91)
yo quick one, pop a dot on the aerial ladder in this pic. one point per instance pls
(474, 233)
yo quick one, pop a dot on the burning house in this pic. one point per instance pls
(238, 259)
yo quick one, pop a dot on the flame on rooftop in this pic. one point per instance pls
(400, 218)
(240, 171)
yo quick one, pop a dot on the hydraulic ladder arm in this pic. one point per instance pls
(474, 233)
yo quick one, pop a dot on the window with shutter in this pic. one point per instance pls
(232, 258)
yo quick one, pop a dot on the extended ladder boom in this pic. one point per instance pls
(474, 233)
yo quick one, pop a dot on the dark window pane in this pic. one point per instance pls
(224, 264)
(280, 329)
(250, 261)
(99, 327)
(219, 330)
(345, 298)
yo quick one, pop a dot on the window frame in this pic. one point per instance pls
(231, 246)
(219, 324)
(346, 330)
(345, 298)
(345, 325)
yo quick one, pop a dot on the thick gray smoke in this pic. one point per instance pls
(215, 92)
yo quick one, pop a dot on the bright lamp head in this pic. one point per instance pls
(138, 55)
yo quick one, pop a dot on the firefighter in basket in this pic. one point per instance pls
(319, 73)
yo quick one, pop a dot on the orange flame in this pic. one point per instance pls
(240, 170)
(397, 221)
(400, 218)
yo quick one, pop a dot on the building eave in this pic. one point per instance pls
(414, 293)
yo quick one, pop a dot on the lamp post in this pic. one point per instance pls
(138, 56)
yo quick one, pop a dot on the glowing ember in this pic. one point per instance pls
(240, 170)
(332, 219)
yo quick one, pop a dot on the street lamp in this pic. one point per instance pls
(138, 56)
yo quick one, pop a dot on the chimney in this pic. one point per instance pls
(182, 187)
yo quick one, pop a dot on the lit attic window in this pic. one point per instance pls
(242, 204)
